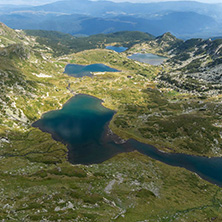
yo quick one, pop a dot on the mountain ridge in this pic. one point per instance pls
(107, 17)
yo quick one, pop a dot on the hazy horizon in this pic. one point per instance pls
(40, 2)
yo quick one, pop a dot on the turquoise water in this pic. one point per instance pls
(81, 70)
(82, 124)
(148, 58)
(117, 48)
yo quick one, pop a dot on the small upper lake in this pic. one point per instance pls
(116, 48)
(82, 124)
(148, 58)
(87, 70)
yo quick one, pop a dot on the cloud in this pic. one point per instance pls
(40, 2)
(26, 2)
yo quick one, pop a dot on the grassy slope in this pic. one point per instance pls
(129, 187)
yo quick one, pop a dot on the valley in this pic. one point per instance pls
(152, 104)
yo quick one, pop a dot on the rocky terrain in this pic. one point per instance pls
(193, 66)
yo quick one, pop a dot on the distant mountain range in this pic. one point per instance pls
(183, 19)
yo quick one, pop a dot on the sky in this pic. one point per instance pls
(39, 2)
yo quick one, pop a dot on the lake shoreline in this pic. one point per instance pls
(110, 139)
(107, 135)
(118, 138)
(80, 71)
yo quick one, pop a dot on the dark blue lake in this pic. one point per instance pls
(82, 124)
(117, 48)
(148, 58)
(87, 70)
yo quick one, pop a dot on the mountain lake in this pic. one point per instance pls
(117, 48)
(149, 58)
(86, 70)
